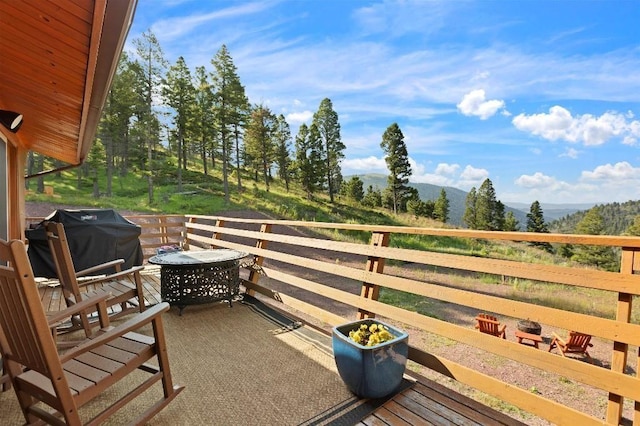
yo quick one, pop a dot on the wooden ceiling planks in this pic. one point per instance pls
(47, 51)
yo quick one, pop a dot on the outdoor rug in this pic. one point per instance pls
(244, 365)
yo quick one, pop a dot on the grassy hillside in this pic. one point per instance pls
(203, 194)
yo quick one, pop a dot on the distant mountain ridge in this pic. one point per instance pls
(457, 197)
(554, 211)
(457, 201)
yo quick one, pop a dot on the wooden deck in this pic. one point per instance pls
(424, 403)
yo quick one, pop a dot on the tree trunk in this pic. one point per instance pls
(238, 159)
(150, 173)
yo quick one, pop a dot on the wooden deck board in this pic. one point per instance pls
(430, 403)
(425, 403)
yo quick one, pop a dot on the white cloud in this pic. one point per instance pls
(634, 132)
(550, 126)
(444, 174)
(472, 177)
(537, 180)
(587, 129)
(432, 178)
(549, 189)
(299, 117)
(618, 181)
(571, 153)
(172, 28)
(618, 173)
(363, 165)
(475, 103)
(447, 169)
(536, 151)
(416, 168)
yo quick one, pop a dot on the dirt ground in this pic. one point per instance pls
(580, 397)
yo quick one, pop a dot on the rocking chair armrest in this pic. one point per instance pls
(98, 301)
(152, 314)
(100, 267)
(133, 270)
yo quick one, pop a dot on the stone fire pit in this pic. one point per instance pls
(530, 327)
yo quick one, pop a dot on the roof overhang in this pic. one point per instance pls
(57, 60)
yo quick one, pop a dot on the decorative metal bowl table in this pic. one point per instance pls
(199, 276)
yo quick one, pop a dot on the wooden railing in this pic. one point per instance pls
(296, 265)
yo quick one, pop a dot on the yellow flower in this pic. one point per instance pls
(371, 335)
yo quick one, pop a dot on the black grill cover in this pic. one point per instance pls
(95, 236)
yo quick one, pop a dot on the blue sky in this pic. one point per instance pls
(541, 97)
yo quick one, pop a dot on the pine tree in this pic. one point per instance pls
(469, 217)
(634, 228)
(397, 160)
(497, 220)
(353, 189)
(536, 223)
(372, 198)
(282, 139)
(441, 207)
(259, 141)
(180, 96)
(309, 162)
(511, 224)
(114, 122)
(230, 102)
(600, 256)
(328, 127)
(150, 67)
(486, 211)
(204, 121)
(535, 219)
(95, 163)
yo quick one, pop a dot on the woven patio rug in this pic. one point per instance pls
(245, 365)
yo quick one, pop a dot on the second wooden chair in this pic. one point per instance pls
(124, 287)
(578, 343)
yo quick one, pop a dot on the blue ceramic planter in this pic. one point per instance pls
(370, 371)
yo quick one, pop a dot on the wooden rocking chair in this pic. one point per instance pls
(44, 380)
(490, 325)
(125, 287)
(578, 343)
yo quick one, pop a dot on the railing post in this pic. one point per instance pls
(628, 262)
(254, 273)
(186, 234)
(162, 224)
(214, 236)
(183, 232)
(374, 264)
